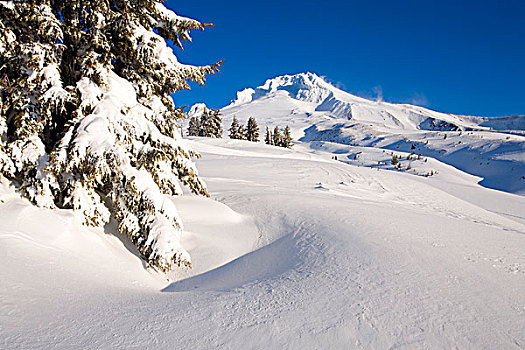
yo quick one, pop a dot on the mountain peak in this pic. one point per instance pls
(300, 81)
(306, 79)
(307, 86)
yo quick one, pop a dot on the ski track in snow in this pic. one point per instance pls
(315, 254)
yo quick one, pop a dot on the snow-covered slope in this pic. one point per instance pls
(310, 88)
(294, 251)
(492, 148)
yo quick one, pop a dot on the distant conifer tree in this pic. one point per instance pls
(252, 132)
(194, 126)
(242, 132)
(287, 138)
(211, 123)
(277, 137)
(395, 159)
(204, 129)
(215, 123)
(268, 139)
(234, 129)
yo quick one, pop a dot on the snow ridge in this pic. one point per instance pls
(311, 88)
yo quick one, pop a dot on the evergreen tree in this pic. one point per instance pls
(252, 132)
(395, 159)
(242, 132)
(194, 127)
(204, 128)
(277, 137)
(217, 123)
(287, 138)
(268, 139)
(86, 114)
(211, 123)
(234, 129)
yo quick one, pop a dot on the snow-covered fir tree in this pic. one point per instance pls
(268, 139)
(215, 123)
(203, 124)
(234, 129)
(252, 130)
(194, 126)
(277, 137)
(86, 115)
(211, 123)
(242, 132)
(287, 138)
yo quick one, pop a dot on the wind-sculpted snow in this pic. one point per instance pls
(294, 250)
(244, 96)
(339, 108)
(513, 122)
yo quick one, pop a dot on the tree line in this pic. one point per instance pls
(210, 125)
(278, 138)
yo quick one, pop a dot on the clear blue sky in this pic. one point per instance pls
(464, 57)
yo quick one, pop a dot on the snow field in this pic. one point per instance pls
(295, 251)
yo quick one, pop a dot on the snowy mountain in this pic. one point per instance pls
(329, 100)
(318, 112)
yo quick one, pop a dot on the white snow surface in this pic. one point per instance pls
(294, 250)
